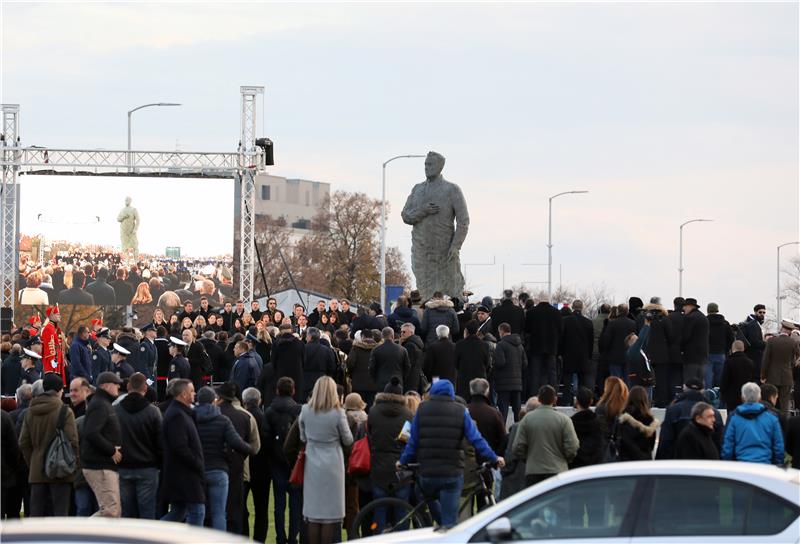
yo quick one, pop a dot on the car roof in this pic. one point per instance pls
(111, 530)
(707, 468)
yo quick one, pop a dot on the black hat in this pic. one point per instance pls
(52, 382)
(148, 327)
(393, 387)
(34, 340)
(482, 308)
(691, 302)
(206, 395)
(694, 384)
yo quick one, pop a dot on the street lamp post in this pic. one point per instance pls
(680, 252)
(550, 240)
(383, 225)
(778, 274)
(138, 108)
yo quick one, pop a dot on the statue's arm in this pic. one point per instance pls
(462, 218)
(411, 214)
(121, 216)
(136, 220)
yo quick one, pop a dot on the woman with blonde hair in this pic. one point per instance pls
(324, 430)
(612, 403)
(413, 400)
(142, 295)
(200, 324)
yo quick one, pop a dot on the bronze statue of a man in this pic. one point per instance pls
(431, 208)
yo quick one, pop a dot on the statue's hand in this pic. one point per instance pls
(452, 253)
(431, 208)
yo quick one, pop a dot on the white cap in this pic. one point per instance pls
(120, 349)
(177, 341)
(31, 354)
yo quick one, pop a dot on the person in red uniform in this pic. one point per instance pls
(36, 325)
(53, 344)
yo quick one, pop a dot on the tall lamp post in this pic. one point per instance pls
(778, 274)
(383, 225)
(680, 252)
(130, 112)
(550, 240)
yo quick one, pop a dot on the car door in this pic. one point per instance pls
(684, 509)
(598, 511)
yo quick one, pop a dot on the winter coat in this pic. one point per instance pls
(219, 367)
(514, 472)
(661, 336)
(386, 361)
(402, 315)
(141, 431)
(577, 343)
(245, 371)
(793, 440)
(637, 436)
(278, 419)
(694, 338)
(737, 371)
(753, 336)
(217, 434)
(510, 361)
(287, 360)
(472, 361)
(508, 312)
(720, 334)
(489, 422)
(104, 294)
(319, 360)
(589, 430)
(543, 325)
(438, 312)
(440, 360)
(199, 363)
(779, 359)
(80, 359)
(10, 463)
(675, 319)
(754, 435)
(385, 421)
(358, 366)
(416, 357)
(77, 295)
(598, 324)
(324, 434)
(101, 433)
(38, 431)
(613, 340)
(182, 479)
(11, 375)
(677, 417)
(546, 440)
(696, 442)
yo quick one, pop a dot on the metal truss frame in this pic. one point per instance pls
(242, 165)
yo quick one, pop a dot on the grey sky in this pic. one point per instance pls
(664, 112)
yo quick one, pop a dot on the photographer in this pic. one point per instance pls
(640, 371)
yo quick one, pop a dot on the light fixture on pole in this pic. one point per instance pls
(778, 288)
(130, 112)
(550, 240)
(383, 225)
(680, 252)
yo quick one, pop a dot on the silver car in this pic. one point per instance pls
(644, 502)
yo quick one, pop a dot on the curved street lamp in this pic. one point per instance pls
(550, 241)
(680, 252)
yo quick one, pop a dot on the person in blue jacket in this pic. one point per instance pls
(436, 443)
(753, 433)
(80, 356)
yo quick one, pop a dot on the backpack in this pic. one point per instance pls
(60, 460)
(279, 430)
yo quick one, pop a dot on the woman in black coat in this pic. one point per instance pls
(590, 430)
(636, 428)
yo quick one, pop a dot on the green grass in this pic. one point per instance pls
(271, 517)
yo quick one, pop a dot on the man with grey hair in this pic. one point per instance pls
(487, 417)
(388, 360)
(753, 433)
(416, 354)
(440, 357)
(695, 441)
(318, 360)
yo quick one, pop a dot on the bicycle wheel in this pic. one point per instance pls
(364, 525)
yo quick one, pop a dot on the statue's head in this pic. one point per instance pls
(434, 164)
(127, 201)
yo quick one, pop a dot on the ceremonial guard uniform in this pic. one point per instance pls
(53, 344)
(163, 360)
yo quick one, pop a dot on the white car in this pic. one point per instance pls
(645, 502)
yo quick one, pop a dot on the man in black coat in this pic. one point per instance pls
(122, 289)
(696, 439)
(510, 363)
(543, 326)
(577, 344)
(613, 341)
(415, 347)
(101, 442)
(751, 333)
(679, 415)
(694, 341)
(738, 370)
(388, 360)
(76, 294)
(720, 339)
(508, 312)
(472, 360)
(659, 344)
(318, 360)
(101, 291)
(487, 418)
(440, 357)
(182, 483)
(11, 373)
(287, 361)
(217, 356)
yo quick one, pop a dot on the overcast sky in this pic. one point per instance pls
(665, 112)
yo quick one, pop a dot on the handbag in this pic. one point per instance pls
(298, 471)
(360, 457)
(612, 453)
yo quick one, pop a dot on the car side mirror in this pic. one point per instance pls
(499, 530)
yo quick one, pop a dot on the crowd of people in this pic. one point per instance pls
(186, 417)
(108, 279)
